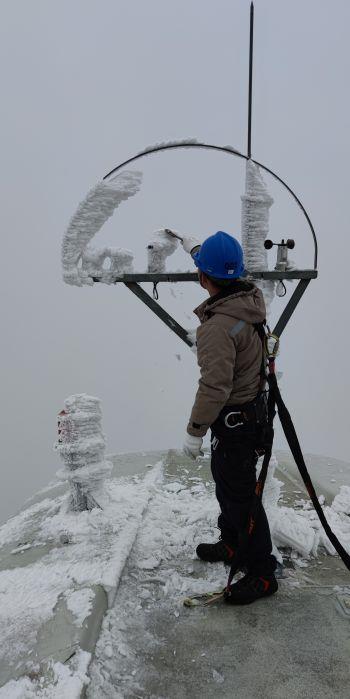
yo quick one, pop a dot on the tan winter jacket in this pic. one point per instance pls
(229, 353)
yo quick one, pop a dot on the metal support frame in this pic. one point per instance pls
(304, 276)
(131, 281)
(291, 306)
(193, 276)
(159, 311)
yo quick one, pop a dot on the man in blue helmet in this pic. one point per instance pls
(229, 351)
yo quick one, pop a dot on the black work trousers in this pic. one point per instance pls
(233, 465)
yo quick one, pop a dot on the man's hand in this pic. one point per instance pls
(193, 446)
(189, 242)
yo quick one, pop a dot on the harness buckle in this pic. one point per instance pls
(272, 344)
(237, 424)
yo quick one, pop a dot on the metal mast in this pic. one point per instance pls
(250, 87)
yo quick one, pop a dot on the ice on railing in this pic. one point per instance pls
(81, 445)
(161, 246)
(256, 203)
(99, 204)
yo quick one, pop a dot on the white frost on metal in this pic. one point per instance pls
(95, 553)
(81, 445)
(161, 246)
(99, 204)
(192, 336)
(167, 144)
(106, 263)
(256, 203)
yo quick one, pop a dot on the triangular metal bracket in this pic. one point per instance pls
(132, 282)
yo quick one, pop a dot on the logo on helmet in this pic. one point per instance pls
(230, 267)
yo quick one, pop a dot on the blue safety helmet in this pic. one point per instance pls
(220, 256)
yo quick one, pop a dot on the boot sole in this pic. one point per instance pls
(240, 603)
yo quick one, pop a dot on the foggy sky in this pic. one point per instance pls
(86, 84)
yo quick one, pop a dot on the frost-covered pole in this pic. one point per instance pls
(256, 203)
(81, 444)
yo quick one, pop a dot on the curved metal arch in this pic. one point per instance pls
(229, 151)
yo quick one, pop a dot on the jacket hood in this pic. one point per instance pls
(242, 302)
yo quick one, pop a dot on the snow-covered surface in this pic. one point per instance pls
(162, 569)
(99, 544)
(182, 512)
(153, 521)
(64, 681)
(99, 204)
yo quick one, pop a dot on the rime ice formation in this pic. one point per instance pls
(167, 144)
(159, 248)
(288, 527)
(81, 444)
(119, 261)
(192, 336)
(341, 501)
(256, 203)
(90, 216)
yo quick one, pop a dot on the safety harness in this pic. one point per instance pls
(270, 344)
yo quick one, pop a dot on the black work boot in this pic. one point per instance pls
(213, 553)
(250, 588)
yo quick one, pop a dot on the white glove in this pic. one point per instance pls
(189, 242)
(193, 446)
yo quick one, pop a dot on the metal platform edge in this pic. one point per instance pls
(277, 275)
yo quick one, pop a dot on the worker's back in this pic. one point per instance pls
(229, 350)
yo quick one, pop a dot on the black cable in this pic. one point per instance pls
(229, 151)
